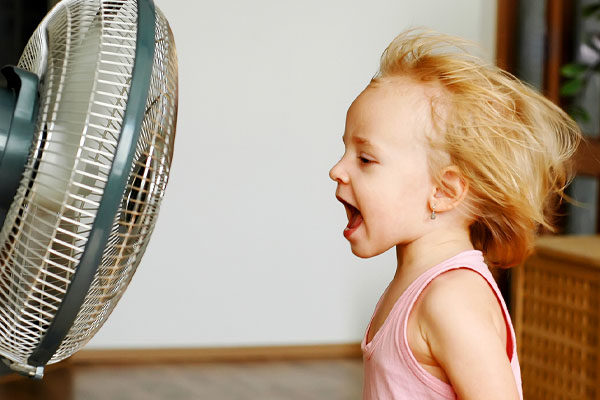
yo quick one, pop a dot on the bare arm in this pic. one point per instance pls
(459, 320)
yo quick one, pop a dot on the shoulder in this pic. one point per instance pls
(459, 294)
(460, 302)
(463, 324)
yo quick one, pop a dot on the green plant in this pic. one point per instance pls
(578, 73)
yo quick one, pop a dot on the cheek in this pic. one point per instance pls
(413, 194)
(417, 178)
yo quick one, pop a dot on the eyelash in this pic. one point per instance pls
(364, 160)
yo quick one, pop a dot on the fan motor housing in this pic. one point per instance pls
(18, 110)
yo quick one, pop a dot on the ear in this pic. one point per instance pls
(452, 192)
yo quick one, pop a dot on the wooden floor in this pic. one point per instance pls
(306, 380)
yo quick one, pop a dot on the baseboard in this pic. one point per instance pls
(215, 354)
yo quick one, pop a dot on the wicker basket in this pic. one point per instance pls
(556, 298)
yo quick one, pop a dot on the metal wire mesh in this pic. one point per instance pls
(84, 92)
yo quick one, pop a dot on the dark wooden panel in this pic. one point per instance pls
(587, 159)
(506, 34)
(559, 47)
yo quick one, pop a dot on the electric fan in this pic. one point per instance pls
(87, 128)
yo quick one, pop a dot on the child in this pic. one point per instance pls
(452, 162)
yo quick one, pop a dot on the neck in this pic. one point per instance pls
(429, 250)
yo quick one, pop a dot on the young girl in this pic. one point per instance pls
(456, 164)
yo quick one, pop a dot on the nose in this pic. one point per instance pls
(337, 173)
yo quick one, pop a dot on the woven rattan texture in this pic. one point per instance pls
(557, 320)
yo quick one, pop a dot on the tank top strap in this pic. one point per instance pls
(471, 259)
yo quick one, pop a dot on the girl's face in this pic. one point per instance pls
(383, 177)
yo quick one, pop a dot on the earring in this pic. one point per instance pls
(433, 211)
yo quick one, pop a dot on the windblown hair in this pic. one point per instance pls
(512, 145)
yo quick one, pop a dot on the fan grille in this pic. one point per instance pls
(84, 91)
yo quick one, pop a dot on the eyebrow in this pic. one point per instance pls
(360, 140)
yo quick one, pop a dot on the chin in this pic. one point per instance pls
(365, 253)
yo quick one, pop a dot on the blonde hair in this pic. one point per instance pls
(512, 145)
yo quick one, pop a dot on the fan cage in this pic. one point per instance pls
(85, 84)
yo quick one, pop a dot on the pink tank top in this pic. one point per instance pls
(391, 370)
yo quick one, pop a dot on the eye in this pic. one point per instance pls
(364, 160)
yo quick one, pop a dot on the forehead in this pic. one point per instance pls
(390, 111)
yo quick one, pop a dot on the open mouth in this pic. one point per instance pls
(354, 218)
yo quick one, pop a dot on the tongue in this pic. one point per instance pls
(354, 221)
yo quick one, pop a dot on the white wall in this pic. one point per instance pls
(249, 248)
